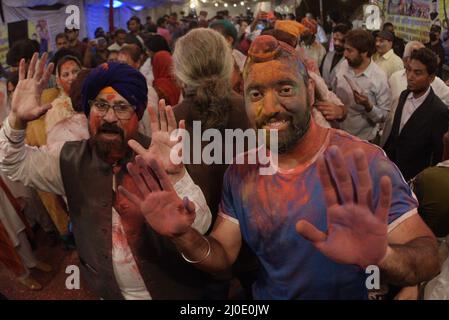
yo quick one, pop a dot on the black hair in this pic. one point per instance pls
(427, 58)
(75, 93)
(61, 35)
(67, 29)
(61, 53)
(361, 40)
(156, 42)
(341, 28)
(435, 28)
(22, 49)
(118, 31)
(66, 58)
(160, 21)
(132, 39)
(135, 18)
(13, 77)
(387, 24)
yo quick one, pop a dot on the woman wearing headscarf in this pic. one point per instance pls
(74, 127)
(67, 70)
(164, 81)
(153, 43)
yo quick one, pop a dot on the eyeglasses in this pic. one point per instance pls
(122, 111)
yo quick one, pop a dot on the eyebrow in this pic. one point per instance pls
(115, 102)
(258, 86)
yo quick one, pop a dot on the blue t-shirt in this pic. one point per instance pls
(268, 207)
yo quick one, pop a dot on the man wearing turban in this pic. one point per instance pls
(335, 205)
(121, 256)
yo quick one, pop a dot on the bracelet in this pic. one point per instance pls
(202, 259)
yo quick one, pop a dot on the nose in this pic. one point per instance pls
(110, 116)
(72, 77)
(271, 103)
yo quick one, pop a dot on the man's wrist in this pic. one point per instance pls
(342, 114)
(387, 256)
(175, 178)
(15, 123)
(368, 107)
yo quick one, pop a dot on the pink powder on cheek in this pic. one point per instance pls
(130, 127)
(94, 122)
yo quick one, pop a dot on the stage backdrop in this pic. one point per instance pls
(413, 18)
(48, 22)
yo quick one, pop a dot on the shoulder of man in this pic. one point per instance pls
(348, 143)
(441, 109)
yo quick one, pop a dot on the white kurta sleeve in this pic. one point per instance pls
(35, 167)
(187, 188)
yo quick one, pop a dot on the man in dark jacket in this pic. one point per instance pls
(414, 135)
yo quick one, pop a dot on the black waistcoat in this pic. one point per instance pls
(88, 185)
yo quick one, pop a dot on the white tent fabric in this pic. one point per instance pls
(33, 3)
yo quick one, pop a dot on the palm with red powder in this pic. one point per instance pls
(356, 235)
(163, 210)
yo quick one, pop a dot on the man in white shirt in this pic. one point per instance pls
(121, 256)
(120, 38)
(363, 87)
(385, 57)
(398, 80)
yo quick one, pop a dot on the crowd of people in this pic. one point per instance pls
(86, 156)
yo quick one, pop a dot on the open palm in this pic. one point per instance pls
(356, 235)
(25, 103)
(162, 208)
(162, 144)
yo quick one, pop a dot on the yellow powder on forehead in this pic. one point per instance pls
(108, 90)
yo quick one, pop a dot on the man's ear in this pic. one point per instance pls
(432, 78)
(311, 91)
(229, 40)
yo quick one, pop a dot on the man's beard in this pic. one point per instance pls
(339, 50)
(433, 37)
(109, 149)
(356, 62)
(288, 138)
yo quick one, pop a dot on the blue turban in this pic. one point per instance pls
(127, 81)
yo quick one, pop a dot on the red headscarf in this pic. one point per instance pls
(164, 80)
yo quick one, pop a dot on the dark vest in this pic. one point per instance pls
(88, 185)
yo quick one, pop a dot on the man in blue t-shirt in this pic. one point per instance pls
(335, 205)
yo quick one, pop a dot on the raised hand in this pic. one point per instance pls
(362, 100)
(330, 110)
(356, 235)
(25, 105)
(163, 210)
(161, 144)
